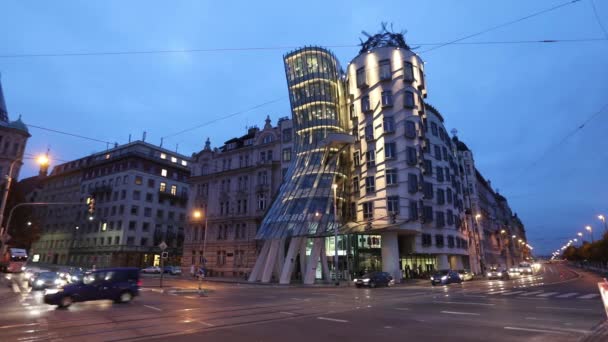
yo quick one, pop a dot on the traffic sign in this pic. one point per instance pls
(162, 246)
(164, 255)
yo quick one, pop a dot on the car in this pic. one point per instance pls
(172, 270)
(465, 275)
(514, 272)
(445, 277)
(374, 279)
(118, 284)
(151, 269)
(45, 280)
(525, 268)
(497, 273)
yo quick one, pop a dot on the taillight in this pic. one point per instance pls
(139, 283)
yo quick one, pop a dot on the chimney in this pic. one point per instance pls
(143, 138)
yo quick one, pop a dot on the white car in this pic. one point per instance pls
(151, 269)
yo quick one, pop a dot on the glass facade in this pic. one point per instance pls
(304, 205)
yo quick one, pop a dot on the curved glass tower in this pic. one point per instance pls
(305, 203)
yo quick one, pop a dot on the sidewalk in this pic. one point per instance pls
(599, 334)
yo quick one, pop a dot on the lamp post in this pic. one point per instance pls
(197, 215)
(590, 230)
(335, 188)
(603, 219)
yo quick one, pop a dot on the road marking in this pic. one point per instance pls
(402, 309)
(207, 324)
(190, 297)
(287, 313)
(460, 313)
(333, 319)
(589, 296)
(547, 294)
(535, 330)
(531, 293)
(567, 295)
(153, 307)
(465, 303)
(512, 293)
(560, 308)
(18, 325)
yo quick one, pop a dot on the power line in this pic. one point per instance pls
(224, 117)
(68, 134)
(283, 48)
(597, 17)
(503, 25)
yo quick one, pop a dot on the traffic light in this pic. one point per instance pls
(91, 206)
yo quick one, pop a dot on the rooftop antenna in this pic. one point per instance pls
(176, 146)
(161, 141)
(144, 136)
(129, 138)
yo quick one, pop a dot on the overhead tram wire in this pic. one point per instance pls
(597, 17)
(69, 134)
(503, 25)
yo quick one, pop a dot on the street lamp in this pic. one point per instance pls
(197, 215)
(603, 219)
(590, 230)
(335, 188)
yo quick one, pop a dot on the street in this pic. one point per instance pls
(557, 304)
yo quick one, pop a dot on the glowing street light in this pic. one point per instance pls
(603, 219)
(590, 230)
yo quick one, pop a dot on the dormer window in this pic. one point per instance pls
(267, 139)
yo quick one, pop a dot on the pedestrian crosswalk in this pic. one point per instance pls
(542, 294)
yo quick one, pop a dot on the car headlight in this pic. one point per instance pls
(499, 273)
(444, 277)
(489, 274)
(366, 280)
(432, 278)
(39, 282)
(59, 282)
(52, 291)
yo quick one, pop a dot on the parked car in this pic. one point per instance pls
(445, 277)
(118, 284)
(151, 269)
(173, 270)
(374, 279)
(46, 280)
(497, 273)
(465, 275)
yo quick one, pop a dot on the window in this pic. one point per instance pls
(408, 71)
(123, 194)
(160, 214)
(262, 201)
(151, 183)
(370, 185)
(434, 128)
(173, 160)
(174, 190)
(428, 167)
(388, 124)
(369, 132)
(409, 100)
(163, 187)
(270, 155)
(134, 209)
(387, 98)
(447, 174)
(267, 139)
(132, 225)
(149, 197)
(370, 158)
(262, 156)
(356, 158)
(439, 240)
(138, 180)
(445, 153)
(412, 157)
(130, 241)
(163, 172)
(163, 156)
(413, 210)
(145, 226)
(427, 240)
(365, 104)
(390, 150)
(368, 210)
(440, 216)
(428, 190)
(361, 79)
(449, 195)
(440, 197)
(184, 163)
(144, 242)
(286, 154)
(392, 204)
(439, 174)
(136, 195)
(437, 152)
(385, 70)
(410, 129)
(148, 212)
(412, 183)
(450, 217)
(286, 135)
(451, 241)
(356, 191)
(391, 176)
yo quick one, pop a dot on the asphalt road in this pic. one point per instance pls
(557, 304)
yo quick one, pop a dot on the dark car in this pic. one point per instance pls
(497, 273)
(374, 279)
(445, 277)
(46, 280)
(172, 270)
(117, 284)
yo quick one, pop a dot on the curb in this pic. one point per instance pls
(599, 333)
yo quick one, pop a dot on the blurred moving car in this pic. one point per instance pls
(374, 279)
(514, 272)
(173, 270)
(525, 268)
(46, 280)
(118, 284)
(465, 275)
(445, 277)
(151, 269)
(497, 273)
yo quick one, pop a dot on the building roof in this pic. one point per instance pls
(434, 110)
(3, 110)
(460, 145)
(384, 38)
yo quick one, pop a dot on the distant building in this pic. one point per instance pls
(141, 195)
(232, 188)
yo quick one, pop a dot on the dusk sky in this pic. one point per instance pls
(511, 103)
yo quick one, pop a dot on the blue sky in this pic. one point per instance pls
(509, 102)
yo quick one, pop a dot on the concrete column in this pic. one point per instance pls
(390, 255)
(324, 264)
(256, 271)
(271, 260)
(294, 248)
(442, 262)
(303, 257)
(280, 259)
(313, 260)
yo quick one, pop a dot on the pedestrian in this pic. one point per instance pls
(192, 269)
